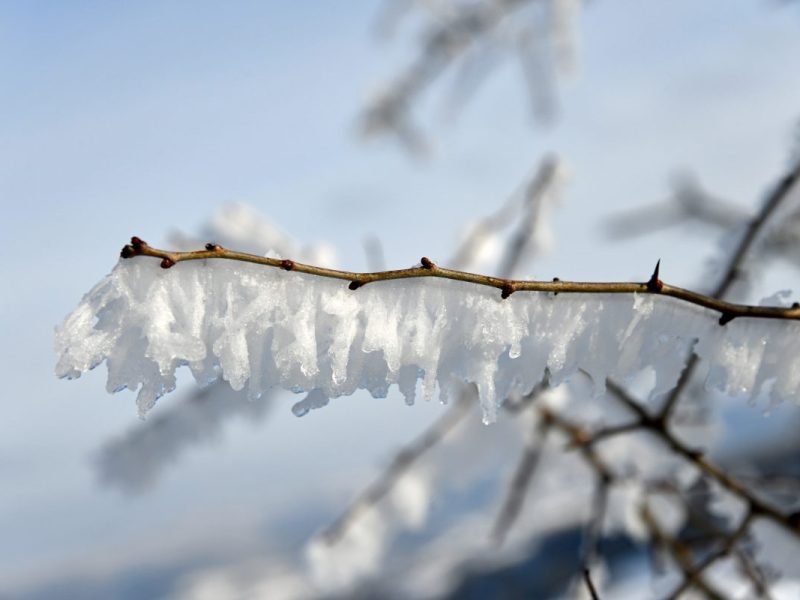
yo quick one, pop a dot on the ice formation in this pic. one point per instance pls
(258, 327)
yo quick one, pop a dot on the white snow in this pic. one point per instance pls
(259, 327)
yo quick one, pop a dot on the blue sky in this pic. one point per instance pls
(139, 118)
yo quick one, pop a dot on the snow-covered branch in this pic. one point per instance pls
(260, 327)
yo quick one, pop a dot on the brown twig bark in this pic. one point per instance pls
(727, 310)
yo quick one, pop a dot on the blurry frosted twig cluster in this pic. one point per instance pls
(690, 203)
(468, 39)
(710, 530)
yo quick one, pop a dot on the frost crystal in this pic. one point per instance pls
(259, 327)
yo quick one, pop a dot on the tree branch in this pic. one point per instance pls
(727, 310)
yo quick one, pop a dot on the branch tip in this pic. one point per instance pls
(288, 265)
(427, 263)
(508, 289)
(137, 242)
(655, 285)
(127, 251)
(167, 263)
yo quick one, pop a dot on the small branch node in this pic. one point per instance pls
(427, 263)
(795, 305)
(508, 289)
(128, 251)
(726, 318)
(288, 265)
(167, 263)
(354, 285)
(655, 285)
(211, 247)
(137, 242)
(695, 453)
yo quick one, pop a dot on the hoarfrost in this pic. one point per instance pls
(258, 327)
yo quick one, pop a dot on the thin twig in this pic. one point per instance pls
(753, 572)
(535, 192)
(681, 554)
(518, 486)
(587, 578)
(401, 463)
(693, 573)
(594, 527)
(604, 478)
(728, 310)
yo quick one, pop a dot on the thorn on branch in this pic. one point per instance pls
(726, 318)
(427, 263)
(655, 285)
(508, 289)
(167, 263)
(354, 285)
(211, 247)
(288, 265)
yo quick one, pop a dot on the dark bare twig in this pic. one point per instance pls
(594, 527)
(401, 463)
(693, 573)
(519, 484)
(728, 310)
(681, 554)
(754, 573)
(587, 578)
(541, 184)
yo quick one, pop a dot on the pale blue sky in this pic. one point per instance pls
(136, 118)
